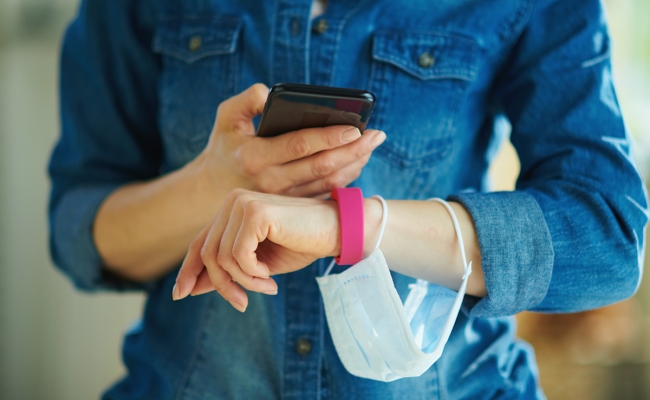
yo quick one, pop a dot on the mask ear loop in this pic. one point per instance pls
(384, 218)
(466, 267)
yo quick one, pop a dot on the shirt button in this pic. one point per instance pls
(320, 26)
(195, 43)
(426, 60)
(295, 27)
(303, 347)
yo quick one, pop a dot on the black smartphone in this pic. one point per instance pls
(292, 106)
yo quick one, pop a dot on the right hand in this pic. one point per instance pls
(305, 163)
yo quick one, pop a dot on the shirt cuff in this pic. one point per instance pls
(72, 244)
(516, 250)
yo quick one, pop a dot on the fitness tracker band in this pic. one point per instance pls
(350, 202)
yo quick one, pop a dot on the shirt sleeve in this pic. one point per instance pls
(108, 77)
(571, 236)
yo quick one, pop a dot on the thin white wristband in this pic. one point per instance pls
(384, 218)
(459, 235)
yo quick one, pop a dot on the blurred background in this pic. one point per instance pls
(56, 343)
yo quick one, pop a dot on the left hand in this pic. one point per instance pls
(254, 236)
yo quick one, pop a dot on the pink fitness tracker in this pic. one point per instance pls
(350, 201)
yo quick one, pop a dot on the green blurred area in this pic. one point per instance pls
(630, 31)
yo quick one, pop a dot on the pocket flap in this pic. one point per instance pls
(193, 38)
(428, 55)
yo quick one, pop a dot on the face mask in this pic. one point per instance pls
(375, 336)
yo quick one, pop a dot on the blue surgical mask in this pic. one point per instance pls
(375, 335)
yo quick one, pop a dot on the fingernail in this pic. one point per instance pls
(176, 292)
(350, 135)
(271, 292)
(378, 139)
(238, 306)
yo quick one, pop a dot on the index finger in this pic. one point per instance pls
(305, 142)
(191, 268)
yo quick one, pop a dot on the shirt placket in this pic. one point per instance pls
(290, 42)
(303, 340)
(304, 325)
(325, 39)
(304, 51)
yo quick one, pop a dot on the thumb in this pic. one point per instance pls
(239, 111)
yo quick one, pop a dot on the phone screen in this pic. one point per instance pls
(294, 107)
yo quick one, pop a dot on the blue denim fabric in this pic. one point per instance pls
(138, 102)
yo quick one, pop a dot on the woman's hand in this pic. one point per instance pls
(142, 229)
(254, 236)
(303, 163)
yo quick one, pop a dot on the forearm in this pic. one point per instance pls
(143, 229)
(420, 241)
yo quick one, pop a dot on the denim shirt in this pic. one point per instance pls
(140, 83)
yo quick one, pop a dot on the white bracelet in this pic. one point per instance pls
(459, 235)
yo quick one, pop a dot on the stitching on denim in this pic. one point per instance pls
(182, 385)
(321, 346)
(469, 48)
(235, 61)
(169, 18)
(596, 60)
(272, 38)
(522, 16)
(437, 34)
(173, 44)
(377, 88)
(337, 41)
(396, 155)
(189, 60)
(283, 361)
(467, 74)
(307, 55)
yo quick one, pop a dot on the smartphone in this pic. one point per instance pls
(292, 106)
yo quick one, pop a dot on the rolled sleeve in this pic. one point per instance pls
(109, 136)
(571, 237)
(73, 248)
(516, 250)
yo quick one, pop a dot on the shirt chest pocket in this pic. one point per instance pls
(420, 80)
(199, 71)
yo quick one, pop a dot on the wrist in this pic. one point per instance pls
(213, 181)
(199, 171)
(335, 231)
(373, 211)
